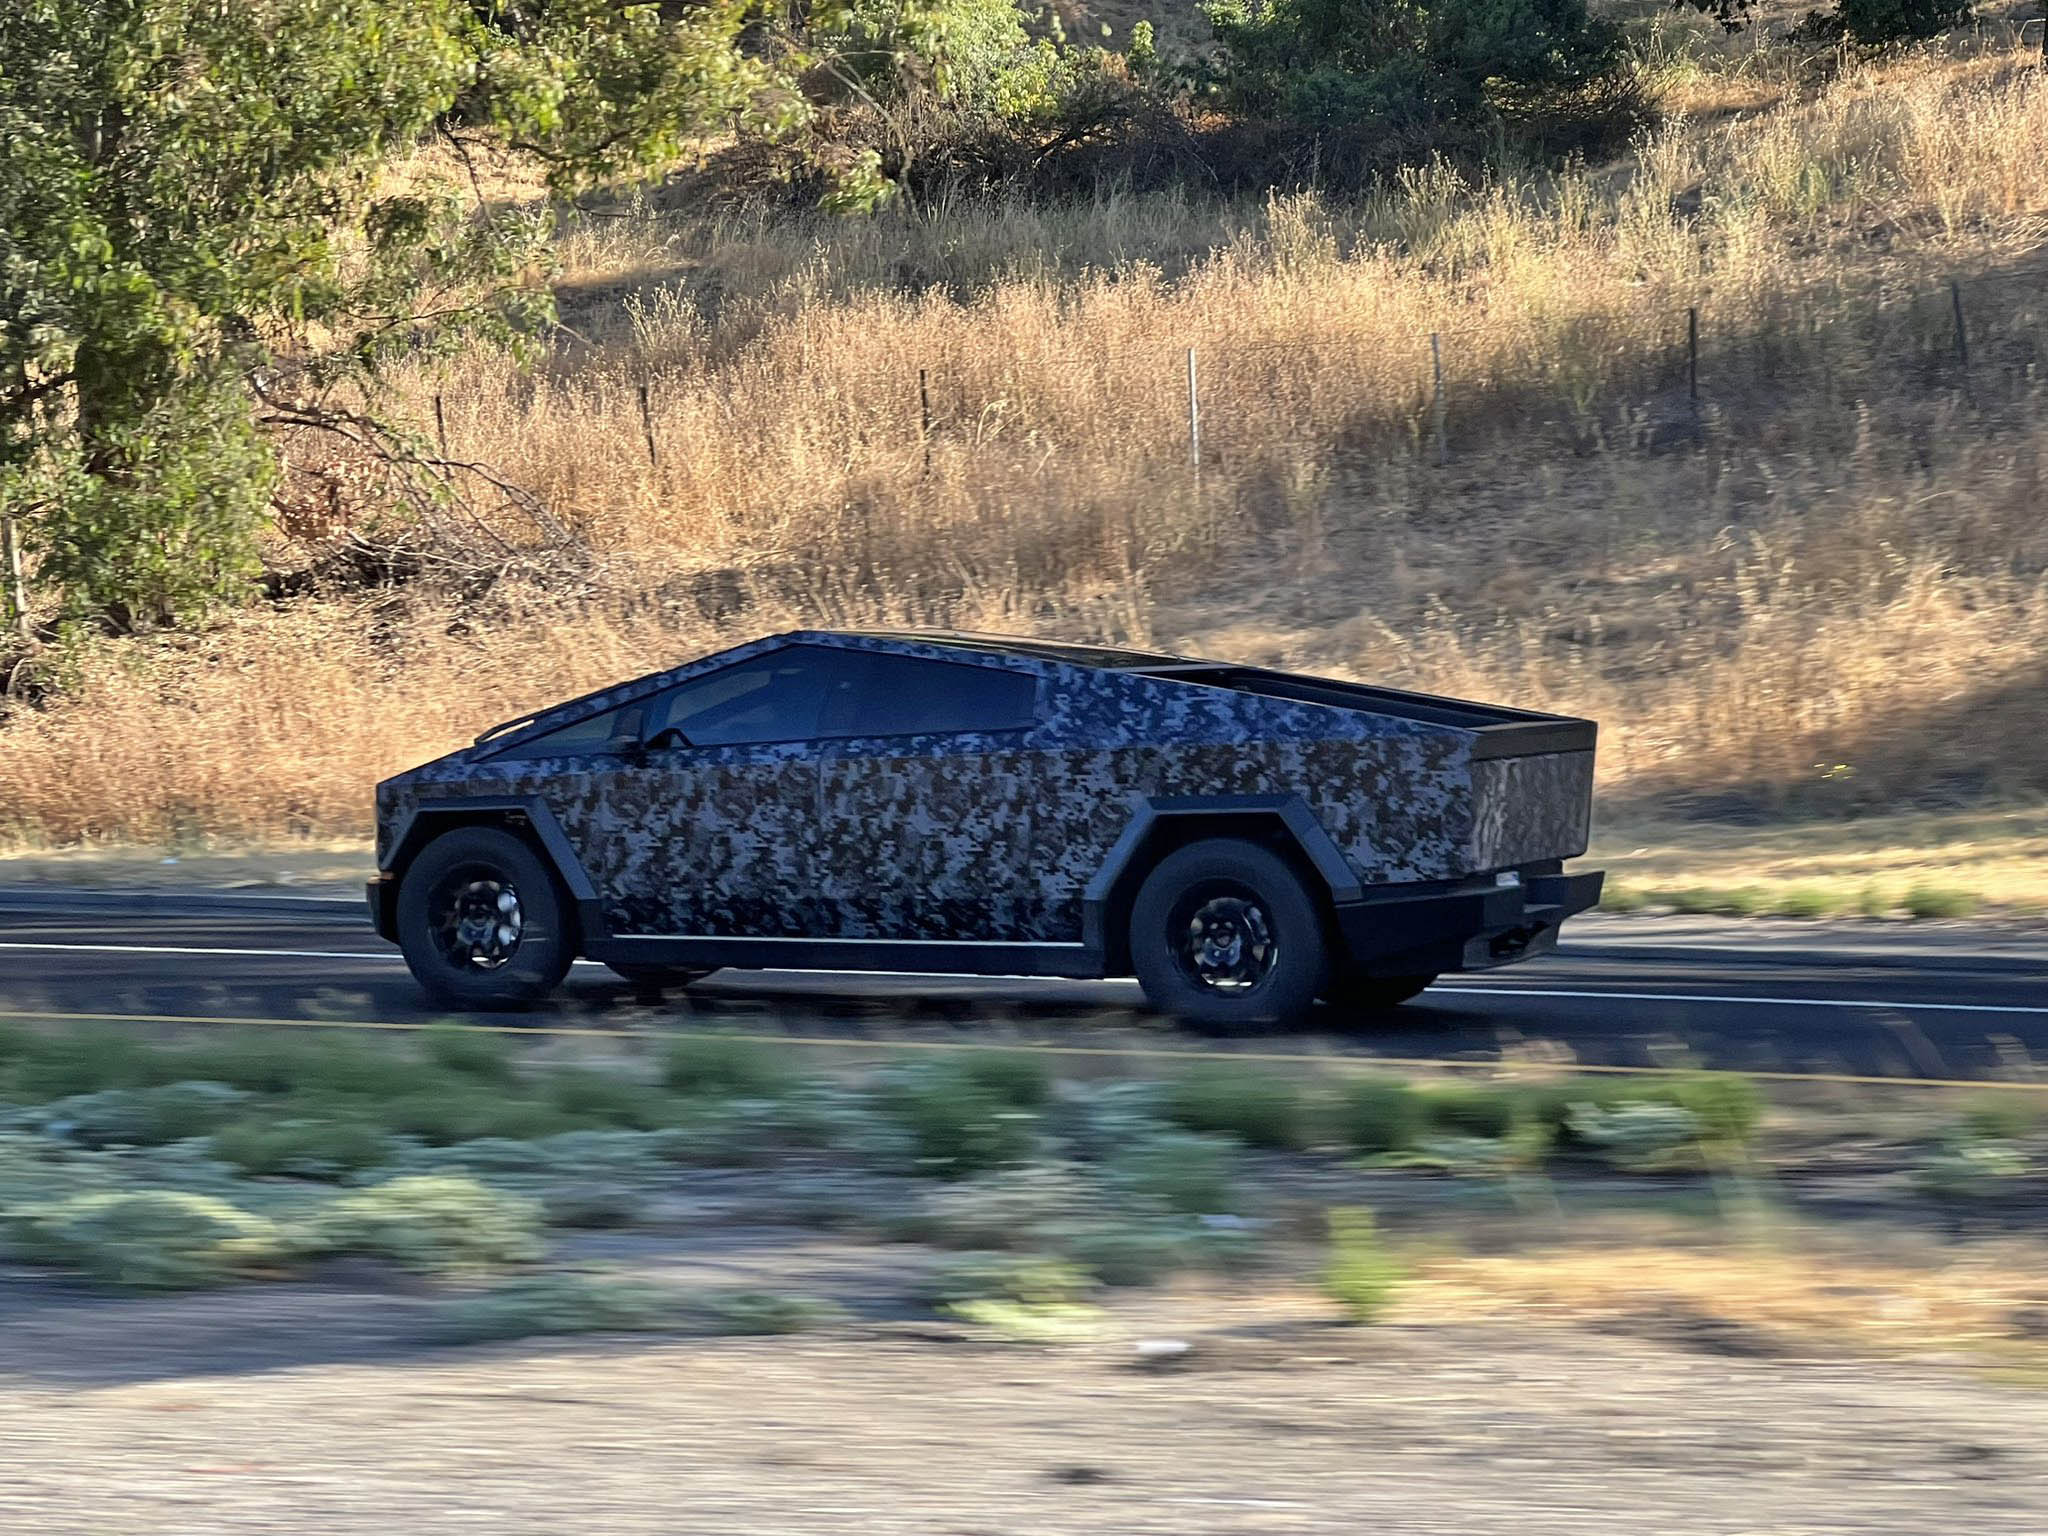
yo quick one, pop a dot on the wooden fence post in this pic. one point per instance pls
(924, 416)
(1436, 369)
(1692, 356)
(17, 584)
(647, 425)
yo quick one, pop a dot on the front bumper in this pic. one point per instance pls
(1475, 928)
(382, 895)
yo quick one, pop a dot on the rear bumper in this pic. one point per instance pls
(1474, 929)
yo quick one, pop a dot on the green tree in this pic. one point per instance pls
(1880, 22)
(194, 235)
(1420, 74)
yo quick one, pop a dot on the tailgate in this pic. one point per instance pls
(1531, 807)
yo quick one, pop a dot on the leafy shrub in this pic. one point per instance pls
(1180, 1171)
(1402, 78)
(572, 1155)
(1019, 1079)
(15, 1042)
(1361, 1275)
(592, 1206)
(1616, 897)
(1973, 1170)
(822, 1118)
(1032, 1279)
(958, 1127)
(1006, 1209)
(1727, 1106)
(1468, 1109)
(295, 1063)
(468, 1052)
(562, 1303)
(1128, 1252)
(1876, 22)
(720, 1066)
(1097, 1119)
(454, 1112)
(1807, 902)
(304, 1149)
(150, 1239)
(1940, 901)
(1872, 901)
(1045, 1323)
(1721, 1110)
(1380, 1114)
(1720, 901)
(434, 1222)
(1260, 1110)
(608, 1098)
(142, 1117)
(1644, 1135)
(2001, 1117)
(88, 1061)
(741, 1310)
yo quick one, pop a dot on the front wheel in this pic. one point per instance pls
(482, 922)
(1225, 933)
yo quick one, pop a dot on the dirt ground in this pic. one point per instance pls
(314, 1406)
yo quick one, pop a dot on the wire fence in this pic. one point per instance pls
(1663, 373)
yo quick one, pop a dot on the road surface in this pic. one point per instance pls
(1892, 1001)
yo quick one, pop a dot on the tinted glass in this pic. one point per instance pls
(781, 696)
(599, 733)
(906, 696)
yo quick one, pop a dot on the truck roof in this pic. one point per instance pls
(1502, 731)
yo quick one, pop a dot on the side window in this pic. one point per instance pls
(781, 696)
(909, 696)
(598, 733)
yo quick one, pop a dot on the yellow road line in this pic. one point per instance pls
(1293, 1058)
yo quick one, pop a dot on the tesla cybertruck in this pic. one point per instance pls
(1243, 841)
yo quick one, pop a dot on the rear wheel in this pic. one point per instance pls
(1225, 933)
(482, 921)
(1351, 992)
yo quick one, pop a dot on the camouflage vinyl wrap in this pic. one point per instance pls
(1530, 808)
(994, 835)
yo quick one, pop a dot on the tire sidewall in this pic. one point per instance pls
(545, 945)
(1301, 968)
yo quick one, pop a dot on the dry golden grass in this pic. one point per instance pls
(1999, 856)
(1838, 566)
(1784, 1299)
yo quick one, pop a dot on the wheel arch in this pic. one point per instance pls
(1161, 824)
(526, 817)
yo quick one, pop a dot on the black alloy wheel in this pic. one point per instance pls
(483, 921)
(1227, 933)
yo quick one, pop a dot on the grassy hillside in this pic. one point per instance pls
(1818, 589)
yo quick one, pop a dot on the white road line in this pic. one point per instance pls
(204, 949)
(391, 956)
(1767, 1002)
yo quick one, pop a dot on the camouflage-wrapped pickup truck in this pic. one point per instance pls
(1244, 841)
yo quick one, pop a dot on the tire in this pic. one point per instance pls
(1353, 993)
(654, 978)
(1237, 891)
(452, 921)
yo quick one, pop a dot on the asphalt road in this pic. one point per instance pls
(1758, 997)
